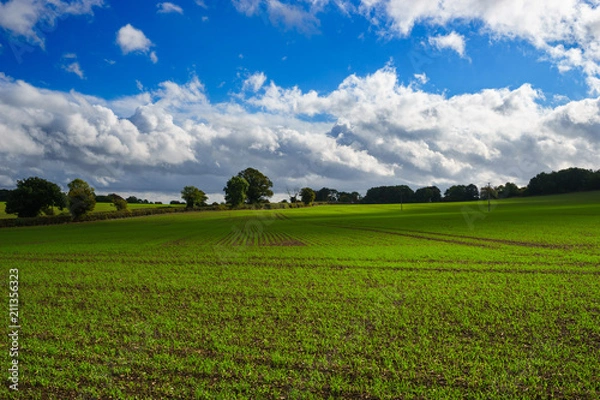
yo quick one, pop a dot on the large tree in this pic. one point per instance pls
(82, 198)
(307, 195)
(259, 186)
(193, 196)
(33, 195)
(236, 191)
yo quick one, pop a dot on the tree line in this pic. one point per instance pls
(35, 196)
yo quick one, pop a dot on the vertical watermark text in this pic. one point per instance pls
(14, 327)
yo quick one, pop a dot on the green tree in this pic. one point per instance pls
(33, 195)
(193, 196)
(236, 191)
(117, 201)
(307, 195)
(259, 186)
(82, 198)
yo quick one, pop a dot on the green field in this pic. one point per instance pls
(100, 207)
(436, 301)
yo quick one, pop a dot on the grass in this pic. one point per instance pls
(437, 301)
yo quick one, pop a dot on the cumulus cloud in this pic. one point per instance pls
(132, 40)
(255, 82)
(452, 41)
(22, 18)
(567, 32)
(371, 130)
(166, 8)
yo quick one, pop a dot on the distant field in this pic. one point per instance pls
(436, 301)
(99, 207)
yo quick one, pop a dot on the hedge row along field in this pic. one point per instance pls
(367, 302)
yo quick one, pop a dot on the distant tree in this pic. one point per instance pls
(118, 202)
(429, 194)
(174, 202)
(82, 198)
(564, 181)
(389, 195)
(236, 191)
(132, 200)
(259, 186)
(471, 192)
(103, 199)
(345, 197)
(488, 192)
(193, 196)
(4, 194)
(507, 190)
(455, 193)
(33, 195)
(307, 195)
(461, 193)
(322, 194)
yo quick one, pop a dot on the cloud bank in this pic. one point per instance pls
(372, 130)
(565, 32)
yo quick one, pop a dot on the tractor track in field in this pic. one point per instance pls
(455, 239)
(414, 235)
(505, 241)
(424, 265)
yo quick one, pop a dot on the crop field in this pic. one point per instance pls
(437, 301)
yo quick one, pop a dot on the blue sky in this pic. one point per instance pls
(145, 97)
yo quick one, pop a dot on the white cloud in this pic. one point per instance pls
(131, 40)
(452, 41)
(166, 7)
(74, 68)
(372, 130)
(567, 31)
(255, 82)
(21, 17)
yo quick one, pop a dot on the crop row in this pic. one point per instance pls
(258, 238)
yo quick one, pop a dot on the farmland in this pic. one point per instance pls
(100, 207)
(357, 301)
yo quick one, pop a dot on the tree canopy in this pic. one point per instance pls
(193, 196)
(307, 195)
(33, 195)
(82, 198)
(564, 181)
(389, 194)
(236, 191)
(259, 186)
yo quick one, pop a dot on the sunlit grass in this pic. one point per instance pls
(435, 301)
